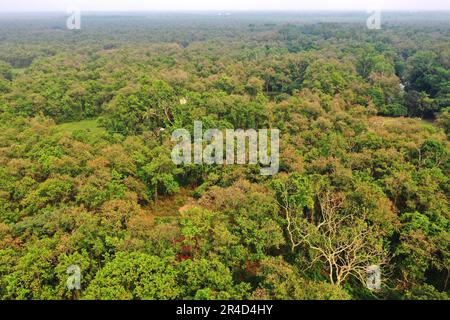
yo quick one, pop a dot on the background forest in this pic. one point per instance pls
(86, 176)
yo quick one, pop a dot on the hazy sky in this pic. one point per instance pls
(134, 5)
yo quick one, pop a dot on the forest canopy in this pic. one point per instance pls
(86, 176)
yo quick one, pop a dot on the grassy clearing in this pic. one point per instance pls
(18, 71)
(387, 122)
(84, 125)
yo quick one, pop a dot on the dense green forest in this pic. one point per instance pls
(86, 176)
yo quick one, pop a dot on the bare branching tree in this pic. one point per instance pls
(343, 241)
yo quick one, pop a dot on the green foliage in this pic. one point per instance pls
(294, 192)
(160, 173)
(426, 292)
(87, 179)
(147, 107)
(134, 276)
(428, 81)
(282, 282)
(209, 280)
(5, 71)
(444, 121)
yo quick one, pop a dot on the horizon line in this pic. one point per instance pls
(232, 10)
